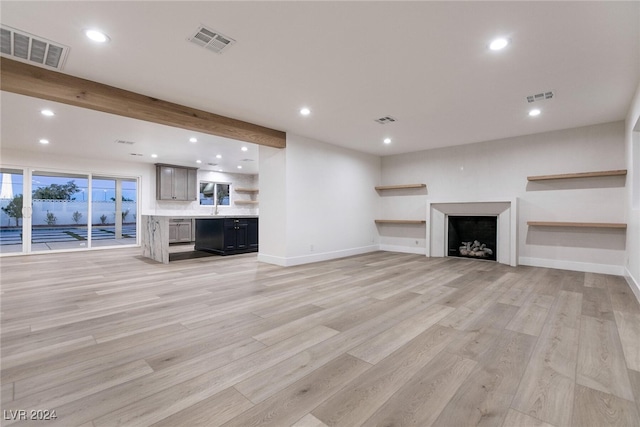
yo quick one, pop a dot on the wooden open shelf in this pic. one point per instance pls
(619, 172)
(246, 202)
(400, 221)
(577, 224)
(246, 190)
(400, 187)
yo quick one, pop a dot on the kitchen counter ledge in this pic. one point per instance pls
(154, 234)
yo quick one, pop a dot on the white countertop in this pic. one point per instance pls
(202, 216)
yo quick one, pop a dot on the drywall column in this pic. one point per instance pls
(317, 202)
(331, 201)
(632, 148)
(273, 205)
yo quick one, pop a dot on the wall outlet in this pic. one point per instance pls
(311, 248)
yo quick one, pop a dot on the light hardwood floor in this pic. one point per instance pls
(106, 338)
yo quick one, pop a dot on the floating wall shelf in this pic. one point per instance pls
(246, 190)
(246, 202)
(577, 224)
(400, 221)
(620, 172)
(400, 187)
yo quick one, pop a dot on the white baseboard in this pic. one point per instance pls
(587, 267)
(403, 249)
(270, 259)
(633, 283)
(324, 256)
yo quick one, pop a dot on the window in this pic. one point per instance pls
(214, 193)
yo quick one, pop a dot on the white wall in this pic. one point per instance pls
(632, 145)
(498, 170)
(329, 203)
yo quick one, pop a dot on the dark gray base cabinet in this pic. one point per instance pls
(227, 236)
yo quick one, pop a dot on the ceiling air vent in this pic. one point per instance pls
(34, 50)
(386, 119)
(211, 39)
(212, 164)
(122, 141)
(539, 96)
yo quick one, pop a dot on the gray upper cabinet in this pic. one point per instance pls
(192, 184)
(176, 183)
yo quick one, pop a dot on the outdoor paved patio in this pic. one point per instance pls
(45, 239)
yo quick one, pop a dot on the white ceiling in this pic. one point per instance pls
(425, 63)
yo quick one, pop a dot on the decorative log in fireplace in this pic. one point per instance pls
(472, 236)
(475, 249)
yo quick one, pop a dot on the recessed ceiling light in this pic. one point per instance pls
(244, 148)
(534, 112)
(47, 113)
(198, 161)
(387, 141)
(154, 155)
(193, 139)
(44, 141)
(305, 111)
(97, 36)
(499, 43)
(239, 167)
(218, 156)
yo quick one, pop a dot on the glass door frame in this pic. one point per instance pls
(27, 210)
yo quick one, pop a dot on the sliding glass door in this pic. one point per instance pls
(113, 207)
(60, 211)
(44, 211)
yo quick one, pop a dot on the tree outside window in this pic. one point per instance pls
(214, 193)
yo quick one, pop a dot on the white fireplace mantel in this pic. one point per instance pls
(506, 210)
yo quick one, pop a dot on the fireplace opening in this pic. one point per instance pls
(473, 237)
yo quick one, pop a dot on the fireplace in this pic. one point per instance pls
(472, 236)
(504, 210)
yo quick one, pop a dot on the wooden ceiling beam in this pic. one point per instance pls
(25, 79)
